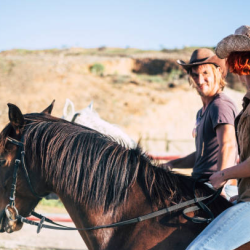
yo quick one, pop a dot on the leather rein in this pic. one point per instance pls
(14, 217)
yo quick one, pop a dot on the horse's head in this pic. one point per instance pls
(90, 118)
(16, 198)
(70, 114)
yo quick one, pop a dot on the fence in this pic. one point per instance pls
(165, 145)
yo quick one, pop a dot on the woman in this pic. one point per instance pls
(231, 229)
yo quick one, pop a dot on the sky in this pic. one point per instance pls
(142, 24)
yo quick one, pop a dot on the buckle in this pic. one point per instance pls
(9, 214)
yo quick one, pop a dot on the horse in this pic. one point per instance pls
(90, 118)
(99, 181)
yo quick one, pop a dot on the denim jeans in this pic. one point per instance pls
(228, 231)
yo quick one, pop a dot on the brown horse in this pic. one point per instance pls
(99, 181)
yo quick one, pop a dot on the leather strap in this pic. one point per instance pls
(200, 204)
(122, 223)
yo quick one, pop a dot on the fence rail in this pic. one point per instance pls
(167, 144)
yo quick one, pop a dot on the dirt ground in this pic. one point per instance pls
(28, 239)
(143, 106)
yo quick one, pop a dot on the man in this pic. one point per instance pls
(214, 129)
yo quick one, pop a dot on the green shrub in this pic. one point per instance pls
(174, 74)
(97, 69)
(51, 203)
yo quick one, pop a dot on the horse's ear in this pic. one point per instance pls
(48, 110)
(16, 118)
(91, 106)
(68, 110)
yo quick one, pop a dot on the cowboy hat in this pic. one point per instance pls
(240, 41)
(204, 56)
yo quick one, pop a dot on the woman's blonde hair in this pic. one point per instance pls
(222, 81)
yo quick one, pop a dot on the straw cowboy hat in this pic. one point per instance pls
(204, 56)
(240, 41)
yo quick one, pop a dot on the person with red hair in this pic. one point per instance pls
(231, 229)
(239, 62)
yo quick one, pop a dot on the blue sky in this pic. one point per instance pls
(143, 24)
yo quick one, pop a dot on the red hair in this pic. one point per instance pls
(239, 63)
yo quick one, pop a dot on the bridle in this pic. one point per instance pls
(75, 116)
(40, 225)
(19, 161)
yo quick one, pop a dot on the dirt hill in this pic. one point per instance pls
(158, 108)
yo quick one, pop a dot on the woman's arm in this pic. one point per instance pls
(241, 170)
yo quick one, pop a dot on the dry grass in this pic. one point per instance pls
(142, 107)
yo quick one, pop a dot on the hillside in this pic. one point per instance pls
(144, 92)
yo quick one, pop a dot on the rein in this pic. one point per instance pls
(40, 225)
(75, 116)
(200, 205)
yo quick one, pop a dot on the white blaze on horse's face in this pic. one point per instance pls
(90, 118)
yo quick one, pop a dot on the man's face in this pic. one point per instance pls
(205, 80)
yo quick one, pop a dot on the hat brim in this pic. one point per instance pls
(188, 66)
(210, 60)
(232, 43)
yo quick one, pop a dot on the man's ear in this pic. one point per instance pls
(219, 70)
(16, 118)
(48, 110)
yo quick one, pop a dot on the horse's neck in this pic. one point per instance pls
(170, 231)
(83, 217)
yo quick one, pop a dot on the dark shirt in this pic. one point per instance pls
(242, 125)
(221, 110)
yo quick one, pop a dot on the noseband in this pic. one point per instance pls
(15, 216)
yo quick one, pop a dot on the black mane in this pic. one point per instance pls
(93, 168)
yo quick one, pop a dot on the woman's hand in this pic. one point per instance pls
(217, 179)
